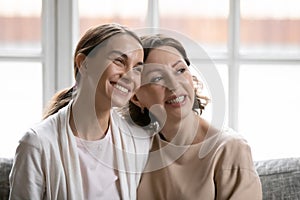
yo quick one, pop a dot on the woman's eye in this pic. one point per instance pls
(137, 69)
(119, 62)
(181, 70)
(156, 79)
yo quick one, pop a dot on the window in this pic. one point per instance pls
(203, 21)
(21, 70)
(255, 48)
(131, 13)
(35, 62)
(269, 105)
(268, 69)
(270, 30)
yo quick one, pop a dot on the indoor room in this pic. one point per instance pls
(244, 53)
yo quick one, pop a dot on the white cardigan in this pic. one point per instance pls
(46, 164)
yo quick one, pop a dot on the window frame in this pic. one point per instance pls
(60, 30)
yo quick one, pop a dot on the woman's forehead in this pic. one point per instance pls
(123, 42)
(163, 55)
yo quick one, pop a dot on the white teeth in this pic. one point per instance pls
(121, 88)
(176, 100)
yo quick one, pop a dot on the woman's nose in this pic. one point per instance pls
(131, 75)
(172, 82)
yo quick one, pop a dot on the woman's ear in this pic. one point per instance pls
(136, 101)
(81, 63)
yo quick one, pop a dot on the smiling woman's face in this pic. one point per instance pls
(114, 71)
(167, 84)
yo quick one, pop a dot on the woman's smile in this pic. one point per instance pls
(121, 88)
(176, 101)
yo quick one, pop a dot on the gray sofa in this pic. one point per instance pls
(280, 178)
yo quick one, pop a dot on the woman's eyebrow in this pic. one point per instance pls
(119, 53)
(162, 68)
(124, 55)
(154, 70)
(176, 63)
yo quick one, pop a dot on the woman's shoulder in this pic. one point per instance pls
(228, 137)
(45, 131)
(219, 140)
(233, 148)
(38, 134)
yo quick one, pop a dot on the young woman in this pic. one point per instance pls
(177, 168)
(83, 149)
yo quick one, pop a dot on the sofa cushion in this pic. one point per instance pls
(280, 178)
(5, 167)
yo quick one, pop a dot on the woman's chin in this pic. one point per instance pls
(119, 99)
(119, 102)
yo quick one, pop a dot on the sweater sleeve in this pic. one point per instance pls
(26, 177)
(236, 177)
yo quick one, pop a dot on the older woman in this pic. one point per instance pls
(176, 169)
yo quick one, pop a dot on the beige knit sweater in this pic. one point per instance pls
(218, 168)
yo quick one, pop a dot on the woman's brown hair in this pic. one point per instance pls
(88, 46)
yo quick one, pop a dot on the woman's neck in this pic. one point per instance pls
(185, 131)
(86, 122)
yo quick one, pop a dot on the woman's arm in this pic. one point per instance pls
(27, 176)
(236, 177)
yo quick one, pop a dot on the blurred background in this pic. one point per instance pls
(255, 45)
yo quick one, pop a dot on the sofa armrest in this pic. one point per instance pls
(5, 167)
(280, 178)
